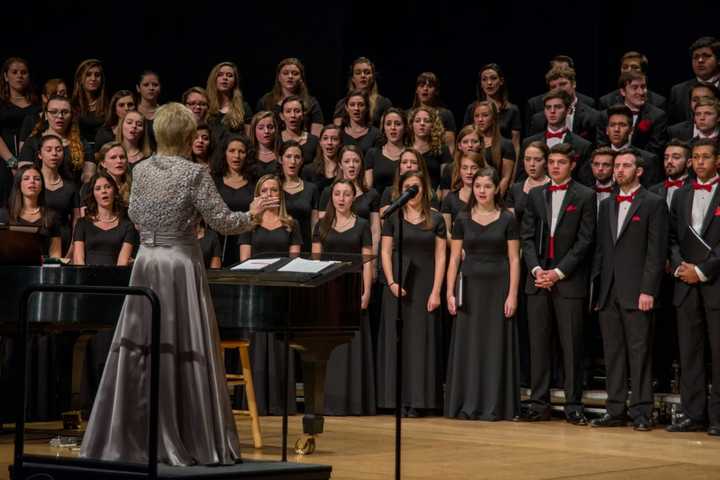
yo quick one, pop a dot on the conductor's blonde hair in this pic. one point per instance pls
(174, 128)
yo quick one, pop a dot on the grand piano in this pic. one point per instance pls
(315, 312)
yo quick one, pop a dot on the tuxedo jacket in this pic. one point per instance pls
(573, 240)
(633, 258)
(649, 132)
(613, 98)
(679, 102)
(683, 130)
(582, 148)
(585, 122)
(536, 104)
(685, 245)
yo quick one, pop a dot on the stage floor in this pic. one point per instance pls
(362, 448)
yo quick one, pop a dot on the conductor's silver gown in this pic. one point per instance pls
(196, 425)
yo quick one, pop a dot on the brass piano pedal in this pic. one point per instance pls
(305, 445)
(72, 420)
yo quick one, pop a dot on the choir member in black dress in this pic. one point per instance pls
(292, 116)
(274, 231)
(629, 263)
(326, 163)
(62, 123)
(423, 271)
(427, 94)
(461, 186)
(230, 171)
(61, 194)
(357, 127)
(637, 62)
(17, 100)
(380, 161)
(426, 136)
(104, 236)
(52, 87)
(649, 122)
(704, 54)
(228, 112)
(483, 374)
(148, 89)
(202, 145)
(27, 207)
(619, 133)
(132, 134)
(112, 159)
(89, 99)
(561, 75)
(410, 161)
(601, 165)
(196, 99)
(290, 80)
(557, 107)
(363, 77)
(535, 165)
(301, 197)
(210, 245)
(120, 103)
(366, 203)
(694, 249)
(265, 134)
(499, 151)
(491, 86)
(558, 231)
(350, 381)
(467, 140)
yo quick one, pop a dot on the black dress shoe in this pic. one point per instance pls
(608, 420)
(642, 424)
(686, 425)
(576, 418)
(531, 415)
(714, 430)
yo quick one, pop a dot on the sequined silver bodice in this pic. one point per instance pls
(171, 194)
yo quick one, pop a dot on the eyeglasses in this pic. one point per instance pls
(196, 104)
(59, 113)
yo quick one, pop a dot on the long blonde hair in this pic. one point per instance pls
(234, 119)
(80, 98)
(285, 219)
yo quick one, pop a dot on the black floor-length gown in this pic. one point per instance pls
(482, 379)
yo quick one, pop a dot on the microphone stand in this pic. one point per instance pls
(399, 347)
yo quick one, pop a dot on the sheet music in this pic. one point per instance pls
(301, 265)
(255, 264)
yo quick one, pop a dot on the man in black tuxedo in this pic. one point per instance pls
(637, 62)
(557, 234)
(695, 262)
(601, 165)
(676, 162)
(684, 130)
(649, 122)
(706, 118)
(629, 263)
(563, 77)
(618, 132)
(705, 53)
(557, 104)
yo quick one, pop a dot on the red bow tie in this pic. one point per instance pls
(556, 188)
(560, 134)
(707, 187)
(603, 189)
(625, 198)
(673, 183)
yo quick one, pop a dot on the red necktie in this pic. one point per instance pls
(625, 198)
(560, 134)
(707, 187)
(673, 183)
(603, 189)
(555, 188)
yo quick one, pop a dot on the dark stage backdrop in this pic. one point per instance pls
(403, 38)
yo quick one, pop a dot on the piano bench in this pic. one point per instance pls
(245, 378)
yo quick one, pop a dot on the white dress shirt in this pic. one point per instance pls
(623, 207)
(570, 117)
(698, 134)
(602, 195)
(700, 204)
(551, 142)
(670, 191)
(556, 199)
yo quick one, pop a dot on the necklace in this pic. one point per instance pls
(107, 220)
(293, 186)
(55, 182)
(347, 222)
(34, 211)
(482, 214)
(412, 219)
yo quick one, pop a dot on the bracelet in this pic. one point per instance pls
(391, 284)
(12, 162)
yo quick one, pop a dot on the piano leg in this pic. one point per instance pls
(72, 419)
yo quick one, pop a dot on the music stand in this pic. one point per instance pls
(20, 245)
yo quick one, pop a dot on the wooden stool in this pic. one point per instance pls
(246, 379)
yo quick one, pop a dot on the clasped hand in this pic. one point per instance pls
(546, 278)
(686, 272)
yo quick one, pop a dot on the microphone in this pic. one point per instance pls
(401, 200)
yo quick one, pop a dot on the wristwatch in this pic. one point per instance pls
(12, 162)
